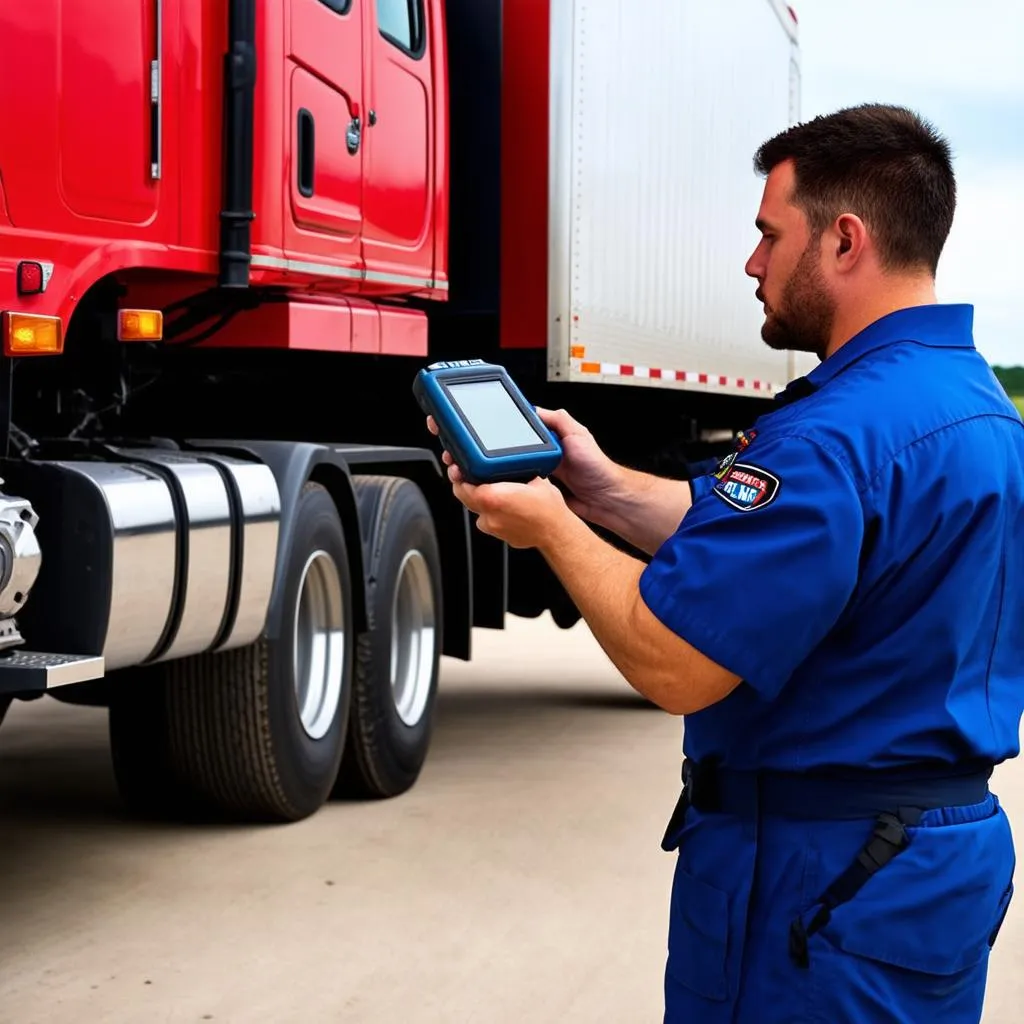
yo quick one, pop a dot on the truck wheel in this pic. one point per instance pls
(258, 732)
(398, 658)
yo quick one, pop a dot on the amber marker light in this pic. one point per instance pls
(29, 334)
(140, 325)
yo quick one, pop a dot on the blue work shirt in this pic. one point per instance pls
(860, 563)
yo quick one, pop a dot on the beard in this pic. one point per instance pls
(802, 321)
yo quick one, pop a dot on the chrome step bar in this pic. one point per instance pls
(28, 672)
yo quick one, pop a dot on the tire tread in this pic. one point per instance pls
(362, 773)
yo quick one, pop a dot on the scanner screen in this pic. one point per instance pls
(497, 420)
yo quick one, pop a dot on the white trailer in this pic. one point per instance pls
(656, 110)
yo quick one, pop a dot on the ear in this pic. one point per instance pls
(850, 241)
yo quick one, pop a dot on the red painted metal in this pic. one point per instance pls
(403, 332)
(365, 326)
(75, 183)
(323, 76)
(327, 324)
(526, 28)
(437, 27)
(398, 194)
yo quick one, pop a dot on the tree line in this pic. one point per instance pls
(1011, 377)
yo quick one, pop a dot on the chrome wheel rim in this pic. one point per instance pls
(413, 638)
(319, 648)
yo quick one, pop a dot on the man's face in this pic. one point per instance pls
(798, 306)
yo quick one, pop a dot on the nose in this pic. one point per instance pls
(755, 266)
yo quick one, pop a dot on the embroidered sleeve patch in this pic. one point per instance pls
(747, 487)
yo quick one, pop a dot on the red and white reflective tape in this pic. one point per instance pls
(686, 376)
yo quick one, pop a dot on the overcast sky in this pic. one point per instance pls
(960, 65)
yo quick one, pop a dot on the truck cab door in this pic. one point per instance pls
(326, 125)
(398, 203)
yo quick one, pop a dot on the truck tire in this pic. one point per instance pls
(257, 733)
(398, 657)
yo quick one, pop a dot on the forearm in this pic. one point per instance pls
(604, 584)
(645, 510)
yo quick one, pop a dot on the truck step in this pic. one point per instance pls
(34, 672)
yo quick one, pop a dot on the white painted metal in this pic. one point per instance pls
(657, 109)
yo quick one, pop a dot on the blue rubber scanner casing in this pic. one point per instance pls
(432, 388)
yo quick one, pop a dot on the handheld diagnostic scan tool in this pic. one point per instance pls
(486, 424)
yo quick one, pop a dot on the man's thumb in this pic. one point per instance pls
(559, 421)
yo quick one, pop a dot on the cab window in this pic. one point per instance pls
(401, 23)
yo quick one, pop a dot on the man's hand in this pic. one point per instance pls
(594, 480)
(604, 584)
(529, 515)
(642, 509)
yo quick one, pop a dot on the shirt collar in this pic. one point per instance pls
(934, 325)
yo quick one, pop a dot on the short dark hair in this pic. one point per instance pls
(883, 163)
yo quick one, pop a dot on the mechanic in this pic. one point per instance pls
(836, 610)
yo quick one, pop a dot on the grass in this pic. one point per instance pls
(1018, 400)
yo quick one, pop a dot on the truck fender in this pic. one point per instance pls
(294, 463)
(451, 520)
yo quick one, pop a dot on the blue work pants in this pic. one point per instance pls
(910, 946)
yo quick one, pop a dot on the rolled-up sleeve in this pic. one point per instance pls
(701, 484)
(764, 562)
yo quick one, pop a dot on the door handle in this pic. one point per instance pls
(306, 156)
(353, 136)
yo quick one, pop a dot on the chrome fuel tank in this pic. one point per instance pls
(155, 554)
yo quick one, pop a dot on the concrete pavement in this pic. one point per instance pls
(520, 881)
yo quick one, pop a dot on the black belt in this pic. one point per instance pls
(826, 795)
(895, 799)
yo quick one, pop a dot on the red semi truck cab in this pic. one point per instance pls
(130, 128)
(271, 177)
(231, 232)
